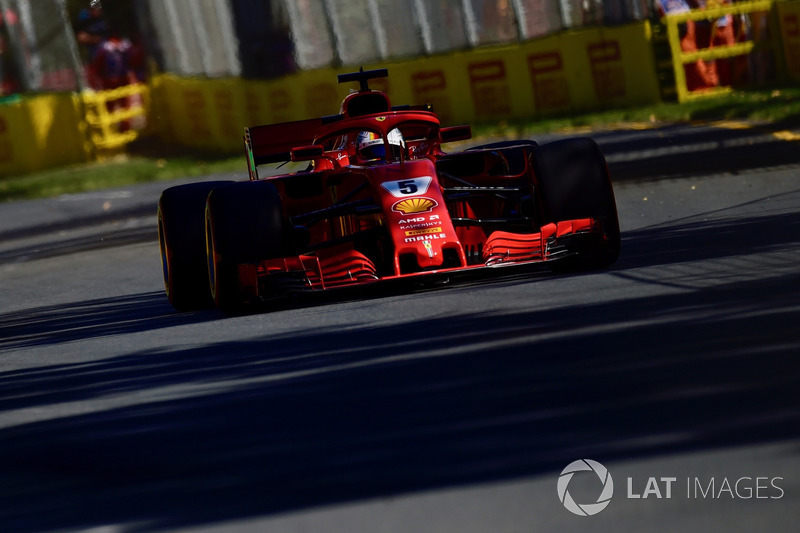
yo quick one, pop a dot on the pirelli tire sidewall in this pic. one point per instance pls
(571, 181)
(244, 223)
(181, 238)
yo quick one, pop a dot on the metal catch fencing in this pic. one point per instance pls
(42, 54)
(271, 38)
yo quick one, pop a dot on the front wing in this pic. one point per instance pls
(310, 273)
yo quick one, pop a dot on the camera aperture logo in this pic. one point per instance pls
(585, 509)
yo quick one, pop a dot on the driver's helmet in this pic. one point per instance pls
(370, 145)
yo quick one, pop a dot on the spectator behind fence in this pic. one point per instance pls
(722, 34)
(9, 74)
(113, 63)
(114, 66)
(91, 30)
(700, 74)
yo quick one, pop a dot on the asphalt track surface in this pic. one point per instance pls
(446, 409)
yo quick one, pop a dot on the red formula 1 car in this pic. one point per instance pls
(379, 200)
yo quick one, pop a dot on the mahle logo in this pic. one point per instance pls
(585, 509)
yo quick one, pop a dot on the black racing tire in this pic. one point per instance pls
(244, 223)
(571, 181)
(182, 240)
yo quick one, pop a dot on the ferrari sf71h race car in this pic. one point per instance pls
(379, 200)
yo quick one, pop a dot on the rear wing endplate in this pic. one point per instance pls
(273, 143)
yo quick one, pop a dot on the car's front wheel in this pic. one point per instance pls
(572, 182)
(181, 240)
(243, 224)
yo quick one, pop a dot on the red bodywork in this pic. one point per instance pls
(421, 214)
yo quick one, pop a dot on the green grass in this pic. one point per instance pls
(778, 105)
(118, 172)
(153, 162)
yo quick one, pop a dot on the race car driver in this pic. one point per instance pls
(370, 146)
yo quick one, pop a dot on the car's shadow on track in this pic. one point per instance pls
(118, 315)
(275, 423)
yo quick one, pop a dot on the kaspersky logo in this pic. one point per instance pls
(589, 467)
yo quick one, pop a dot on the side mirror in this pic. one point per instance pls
(307, 153)
(455, 133)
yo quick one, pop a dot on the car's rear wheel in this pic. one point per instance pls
(572, 182)
(181, 238)
(244, 224)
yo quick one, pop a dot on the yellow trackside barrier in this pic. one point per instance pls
(115, 117)
(681, 58)
(39, 132)
(572, 71)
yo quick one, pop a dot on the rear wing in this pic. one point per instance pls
(272, 143)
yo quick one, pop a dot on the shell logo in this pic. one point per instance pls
(411, 206)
